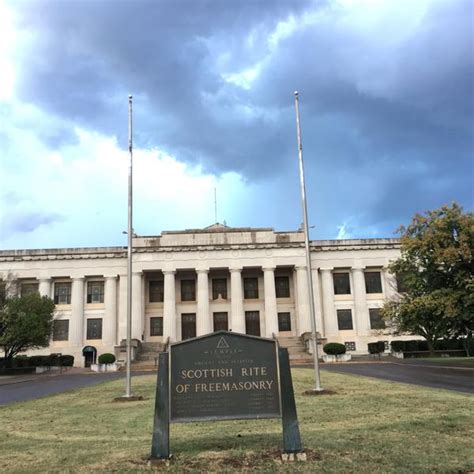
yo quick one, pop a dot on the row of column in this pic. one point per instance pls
(76, 320)
(361, 320)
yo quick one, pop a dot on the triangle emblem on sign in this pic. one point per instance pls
(222, 344)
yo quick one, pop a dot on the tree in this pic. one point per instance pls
(26, 323)
(437, 270)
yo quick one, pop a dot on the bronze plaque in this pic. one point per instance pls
(224, 375)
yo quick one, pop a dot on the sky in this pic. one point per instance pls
(386, 102)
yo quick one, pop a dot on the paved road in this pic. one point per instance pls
(23, 388)
(449, 378)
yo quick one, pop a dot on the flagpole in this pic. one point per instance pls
(317, 387)
(128, 389)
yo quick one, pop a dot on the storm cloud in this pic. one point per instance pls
(386, 92)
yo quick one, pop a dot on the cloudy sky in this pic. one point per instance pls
(386, 91)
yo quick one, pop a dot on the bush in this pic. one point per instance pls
(376, 347)
(21, 361)
(66, 360)
(38, 361)
(334, 348)
(106, 358)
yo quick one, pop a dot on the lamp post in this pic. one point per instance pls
(317, 387)
(128, 377)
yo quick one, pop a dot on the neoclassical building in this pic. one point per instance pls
(189, 283)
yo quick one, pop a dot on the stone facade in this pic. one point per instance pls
(192, 282)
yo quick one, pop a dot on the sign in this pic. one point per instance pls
(223, 376)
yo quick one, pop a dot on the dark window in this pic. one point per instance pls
(220, 322)
(350, 346)
(94, 328)
(401, 283)
(284, 322)
(250, 288)
(62, 293)
(188, 290)
(342, 284)
(156, 326)
(282, 287)
(219, 288)
(3, 292)
(29, 288)
(344, 319)
(252, 323)
(385, 346)
(61, 330)
(188, 325)
(376, 322)
(373, 282)
(95, 291)
(156, 293)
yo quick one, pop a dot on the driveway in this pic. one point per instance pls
(448, 378)
(16, 389)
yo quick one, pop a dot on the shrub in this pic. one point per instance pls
(38, 361)
(376, 347)
(334, 348)
(106, 358)
(21, 361)
(66, 360)
(53, 360)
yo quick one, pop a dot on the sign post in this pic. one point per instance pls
(223, 376)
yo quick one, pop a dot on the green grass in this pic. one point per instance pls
(448, 361)
(368, 426)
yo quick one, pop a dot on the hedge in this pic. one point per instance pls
(416, 345)
(334, 348)
(376, 347)
(52, 360)
(106, 358)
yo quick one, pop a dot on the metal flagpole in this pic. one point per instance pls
(128, 390)
(317, 387)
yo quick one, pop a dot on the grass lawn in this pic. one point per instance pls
(448, 361)
(368, 426)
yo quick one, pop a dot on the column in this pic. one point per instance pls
(329, 313)
(122, 310)
(237, 323)
(44, 287)
(203, 323)
(304, 322)
(317, 303)
(362, 313)
(390, 284)
(76, 323)
(169, 306)
(137, 306)
(110, 313)
(271, 318)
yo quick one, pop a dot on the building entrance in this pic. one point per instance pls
(188, 325)
(90, 355)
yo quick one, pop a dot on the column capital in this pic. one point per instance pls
(235, 270)
(110, 277)
(48, 279)
(137, 273)
(300, 268)
(326, 269)
(82, 278)
(168, 272)
(358, 268)
(268, 268)
(204, 271)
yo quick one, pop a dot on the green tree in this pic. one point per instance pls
(26, 323)
(437, 270)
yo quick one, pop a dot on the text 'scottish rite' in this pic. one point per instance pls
(224, 376)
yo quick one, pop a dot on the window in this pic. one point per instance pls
(376, 322)
(344, 319)
(61, 330)
(252, 323)
(220, 322)
(401, 283)
(95, 291)
(29, 288)
(282, 287)
(188, 290)
(250, 288)
(188, 326)
(342, 284)
(62, 293)
(219, 288)
(350, 346)
(373, 282)
(156, 291)
(94, 328)
(156, 326)
(284, 322)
